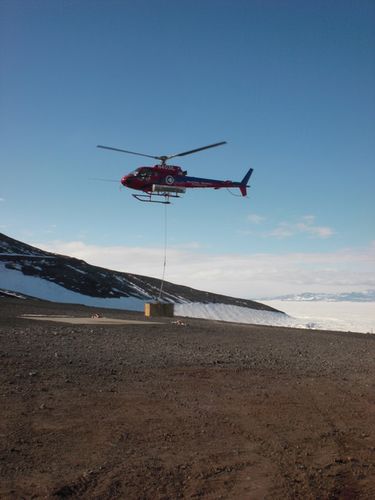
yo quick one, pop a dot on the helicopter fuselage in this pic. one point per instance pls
(144, 178)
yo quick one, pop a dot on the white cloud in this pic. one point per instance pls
(255, 218)
(319, 231)
(50, 229)
(305, 225)
(308, 218)
(283, 230)
(241, 275)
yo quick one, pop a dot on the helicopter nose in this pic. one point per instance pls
(124, 180)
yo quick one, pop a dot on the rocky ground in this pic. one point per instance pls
(203, 409)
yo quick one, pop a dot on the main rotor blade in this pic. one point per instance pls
(198, 149)
(130, 152)
(104, 180)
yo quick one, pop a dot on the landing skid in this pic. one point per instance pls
(149, 198)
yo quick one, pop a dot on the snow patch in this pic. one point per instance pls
(327, 315)
(76, 269)
(40, 288)
(12, 294)
(234, 314)
(344, 320)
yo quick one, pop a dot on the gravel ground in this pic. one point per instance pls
(199, 409)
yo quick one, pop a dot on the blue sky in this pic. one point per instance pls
(290, 86)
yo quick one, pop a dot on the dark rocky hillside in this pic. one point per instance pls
(79, 276)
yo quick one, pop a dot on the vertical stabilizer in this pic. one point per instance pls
(243, 185)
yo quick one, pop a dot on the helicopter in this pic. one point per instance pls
(161, 182)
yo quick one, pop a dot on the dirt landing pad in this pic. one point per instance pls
(75, 320)
(209, 411)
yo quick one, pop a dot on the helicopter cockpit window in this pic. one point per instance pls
(144, 173)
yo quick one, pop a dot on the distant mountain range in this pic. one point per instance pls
(27, 271)
(366, 296)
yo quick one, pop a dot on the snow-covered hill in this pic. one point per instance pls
(26, 271)
(33, 272)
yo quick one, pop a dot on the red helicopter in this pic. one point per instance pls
(170, 181)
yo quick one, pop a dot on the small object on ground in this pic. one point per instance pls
(179, 323)
(96, 315)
